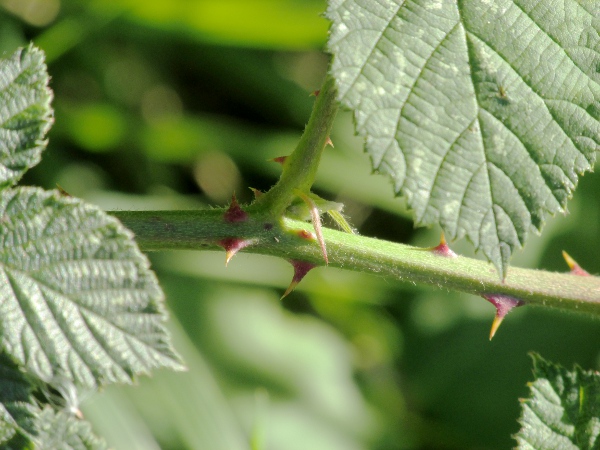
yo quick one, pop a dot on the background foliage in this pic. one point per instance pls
(176, 105)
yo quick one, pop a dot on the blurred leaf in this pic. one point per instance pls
(96, 127)
(61, 430)
(563, 410)
(77, 297)
(182, 410)
(457, 106)
(303, 364)
(281, 24)
(25, 112)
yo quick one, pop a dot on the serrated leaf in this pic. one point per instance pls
(77, 298)
(60, 430)
(25, 112)
(481, 111)
(563, 409)
(17, 407)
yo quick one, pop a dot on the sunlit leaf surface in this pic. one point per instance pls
(25, 113)
(562, 410)
(482, 112)
(59, 429)
(77, 298)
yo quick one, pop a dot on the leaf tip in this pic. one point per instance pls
(62, 191)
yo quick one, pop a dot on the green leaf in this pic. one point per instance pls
(17, 408)
(563, 410)
(77, 298)
(25, 113)
(61, 430)
(482, 111)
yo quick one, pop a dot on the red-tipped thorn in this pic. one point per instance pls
(504, 304)
(315, 93)
(329, 142)
(304, 234)
(280, 160)
(301, 268)
(316, 221)
(232, 246)
(442, 249)
(234, 213)
(256, 192)
(575, 268)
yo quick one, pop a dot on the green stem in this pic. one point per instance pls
(300, 168)
(168, 230)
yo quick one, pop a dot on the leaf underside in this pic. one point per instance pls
(483, 112)
(77, 298)
(562, 411)
(25, 113)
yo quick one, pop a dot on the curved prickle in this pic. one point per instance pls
(504, 304)
(233, 245)
(575, 268)
(443, 249)
(234, 213)
(301, 268)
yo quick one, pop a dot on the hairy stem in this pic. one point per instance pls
(168, 230)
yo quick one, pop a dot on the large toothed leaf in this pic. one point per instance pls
(562, 411)
(25, 113)
(77, 298)
(481, 111)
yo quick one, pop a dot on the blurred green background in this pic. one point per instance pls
(176, 104)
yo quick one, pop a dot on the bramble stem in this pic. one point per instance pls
(168, 230)
(266, 231)
(300, 168)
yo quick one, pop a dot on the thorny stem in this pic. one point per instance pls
(263, 229)
(169, 230)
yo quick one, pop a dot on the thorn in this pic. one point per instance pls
(234, 213)
(504, 304)
(301, 268)
(315, 93)
(575, 268)
(329, 142)
(316, 221)
(280, 160)
(442, 249)
(233, 245)
(256, 192)
(304, 234)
